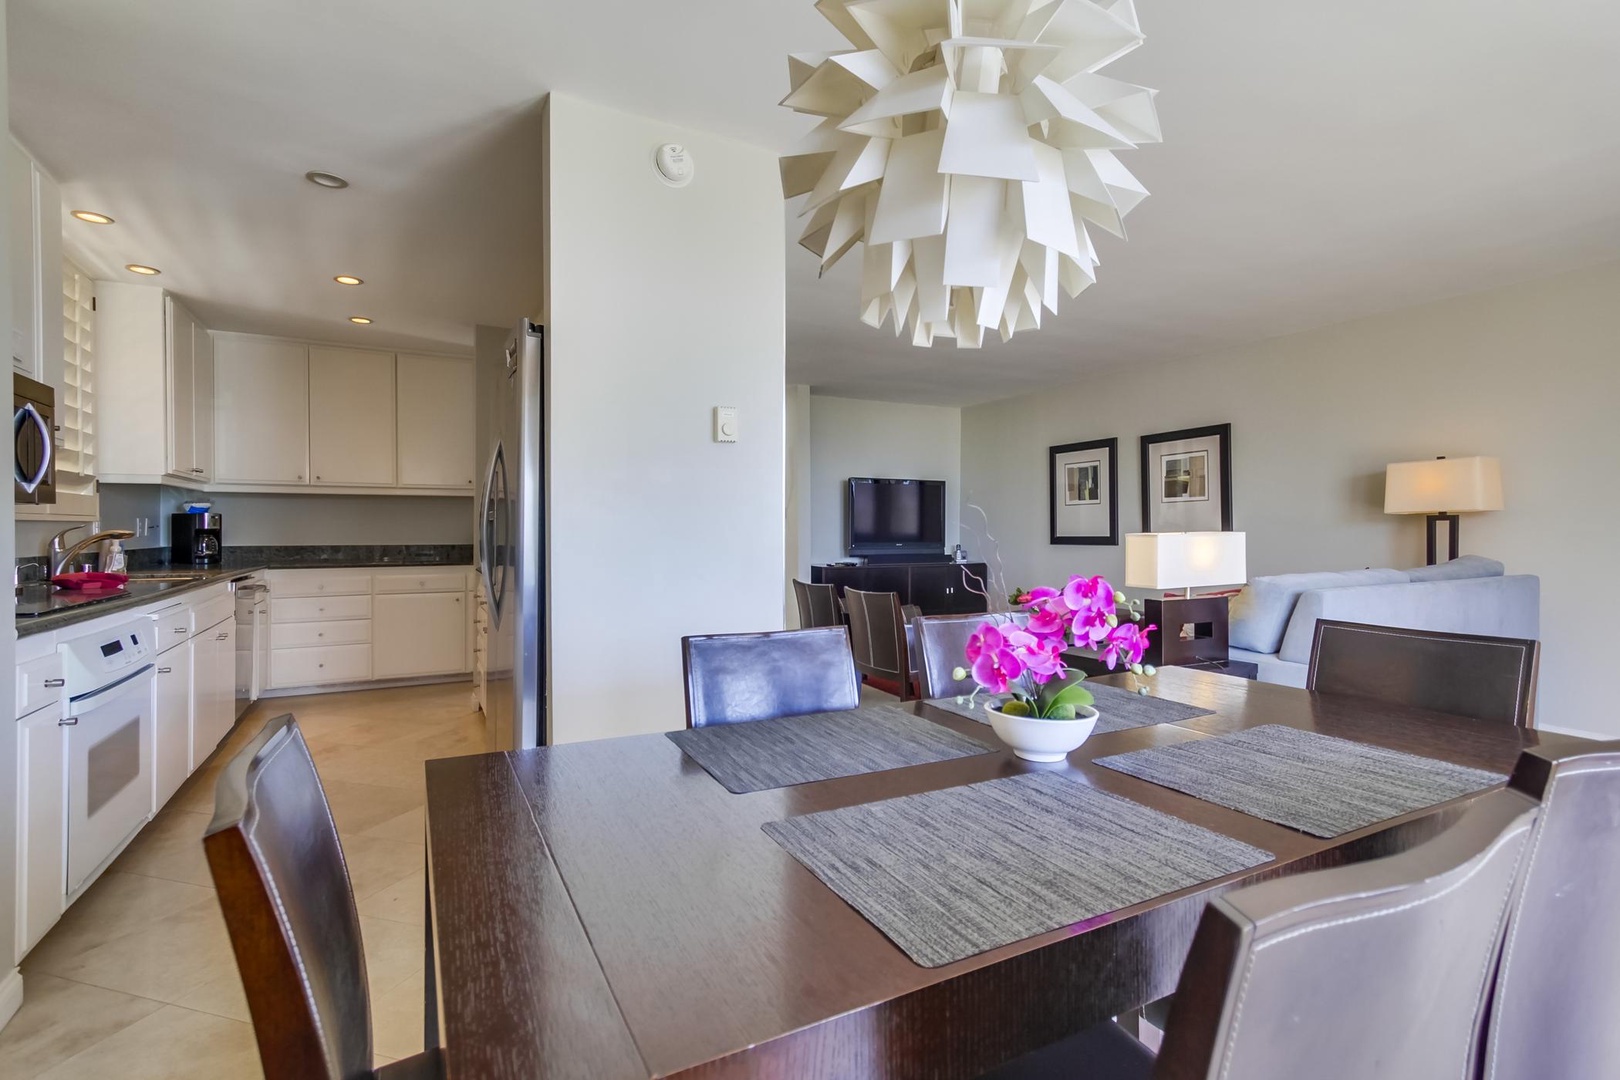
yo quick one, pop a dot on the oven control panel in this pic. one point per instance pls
(94, 661)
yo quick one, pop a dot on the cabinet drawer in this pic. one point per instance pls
(310, 634)
(39, 682)
(174, 627)
(319, 608)
(211, 612)
(423, 581)
(319, 583)
(313, 667)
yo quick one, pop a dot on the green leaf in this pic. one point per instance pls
(1016, 708)
(1060, 712)
(1072, 693)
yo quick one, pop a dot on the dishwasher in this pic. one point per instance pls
(252, 640)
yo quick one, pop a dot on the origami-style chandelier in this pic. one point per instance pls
(967, 143)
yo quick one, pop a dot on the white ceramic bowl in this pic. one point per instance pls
(1043, 740)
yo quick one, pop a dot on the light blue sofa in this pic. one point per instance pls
(1273, 621)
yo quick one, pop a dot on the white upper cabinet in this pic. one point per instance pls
(35, 255)
(155, 382)
(261, 403)
(435, 422)
(191, 395)
(351, 417)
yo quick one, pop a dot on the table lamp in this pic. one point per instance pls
(1192, 629)
(1442, 489)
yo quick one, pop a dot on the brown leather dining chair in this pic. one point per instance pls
(1558, 987)
(1379, 969)
(818, 605)
(880, 638)
(284, 888)
(737, 678)
(942, 648)
(1487, 678)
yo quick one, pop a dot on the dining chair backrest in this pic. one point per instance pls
(942, 648)
(737, 678)
(284, 888)
(818, 605)
(1378, 969)
(877, 635)
(1558, 990)
(1487, 678)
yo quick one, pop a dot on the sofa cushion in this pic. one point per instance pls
(1469, 566)
(1498, 607)
(1260, 613)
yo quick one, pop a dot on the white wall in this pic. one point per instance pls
(1529, 374)
(663, 303)
(796, 520)
(876, 438)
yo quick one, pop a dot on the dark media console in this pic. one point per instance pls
(938, 588)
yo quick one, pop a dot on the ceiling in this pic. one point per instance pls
(1320, 163)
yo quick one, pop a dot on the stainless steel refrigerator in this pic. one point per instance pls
(512, 544)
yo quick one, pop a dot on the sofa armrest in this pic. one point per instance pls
(1499, 607)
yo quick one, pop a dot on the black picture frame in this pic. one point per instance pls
(1055, 492)
(1220, 432)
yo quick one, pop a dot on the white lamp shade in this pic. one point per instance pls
(1186, 560)
(1445, 485)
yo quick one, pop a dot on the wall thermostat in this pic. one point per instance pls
(674, 164)
(725, 423)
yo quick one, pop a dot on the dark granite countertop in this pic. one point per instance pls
(66, 609)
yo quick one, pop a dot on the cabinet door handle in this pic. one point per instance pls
(165, 671)
(52, 684)
(182, 629)
(197, 471)
(221, 636)
(68, 721)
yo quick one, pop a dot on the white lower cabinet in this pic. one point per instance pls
(171, 710)
(41, 823)
(213, 687)
(330, 627)
(419, 634)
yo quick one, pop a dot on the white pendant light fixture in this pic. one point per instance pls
(967, 144)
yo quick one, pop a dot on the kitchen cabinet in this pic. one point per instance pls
(41, 823)
(435, 421)
(155, 382)
(352, 421)
(213, 687)
(419, 634)
(34, 240)
(261, 409)
(191, 394)
(171, 737)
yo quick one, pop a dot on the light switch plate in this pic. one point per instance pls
(725, 423)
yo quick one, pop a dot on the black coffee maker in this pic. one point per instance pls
(196, 538)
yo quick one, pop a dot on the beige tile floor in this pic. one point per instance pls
(138, 981)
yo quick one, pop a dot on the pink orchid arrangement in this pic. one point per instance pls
(1026, 660)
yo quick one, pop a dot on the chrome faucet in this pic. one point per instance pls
(62, 560)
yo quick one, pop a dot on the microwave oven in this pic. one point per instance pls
(33, 425)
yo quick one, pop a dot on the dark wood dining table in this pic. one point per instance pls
(608, 910)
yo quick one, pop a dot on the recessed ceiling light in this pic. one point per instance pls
(326, 179)
(92, 217)
(361, 319)
(137, 268)
(348, 279)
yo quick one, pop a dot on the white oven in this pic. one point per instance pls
(109, 725)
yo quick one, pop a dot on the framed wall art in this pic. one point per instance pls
(1084, 482)
(1187, 480)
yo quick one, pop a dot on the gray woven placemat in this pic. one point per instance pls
(1118, 710)
(948, 874)
(780, 753)
(1311, 782)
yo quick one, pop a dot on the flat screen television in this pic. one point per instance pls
(894, 517)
